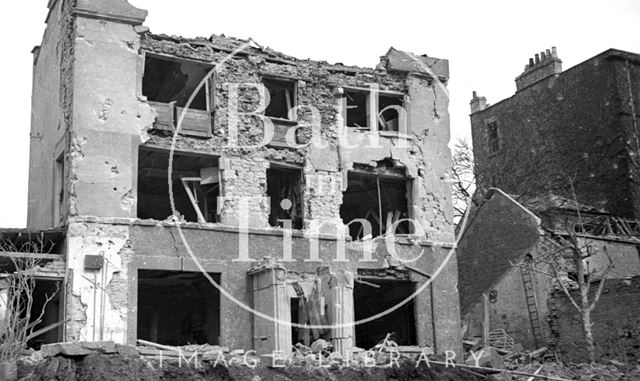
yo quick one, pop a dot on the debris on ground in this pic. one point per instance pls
(539, 364)
(386, 360)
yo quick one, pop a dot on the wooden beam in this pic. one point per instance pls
(485, 320)
(180, 151)
(7, 254)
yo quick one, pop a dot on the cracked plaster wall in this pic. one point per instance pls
(96, 299)
(110, 120)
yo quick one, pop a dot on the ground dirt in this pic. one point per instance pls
(116, 367)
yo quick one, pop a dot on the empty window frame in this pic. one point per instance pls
(153, 188)
(169, 84)
(369, 301)
(380, 196)
(58, 190)
(47, 300)
(280, 97)
(493, 136)
(178, 308)
(357, 109)
(36, 300)
(284, 189)
(167, 81)
(388, 116)
(360, 104)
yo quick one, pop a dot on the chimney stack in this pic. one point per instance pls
(477, 103)
(543, 65)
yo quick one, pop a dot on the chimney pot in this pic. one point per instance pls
(544, 64)
(477, 103)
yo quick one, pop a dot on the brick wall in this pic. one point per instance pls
(616, 325)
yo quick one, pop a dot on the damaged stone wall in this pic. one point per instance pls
(616, 325)
(108, 119)
(244, 180)
(158, 246)
(425, 154)
(97, 298)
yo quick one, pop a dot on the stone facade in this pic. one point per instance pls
(580, 123)
(94, 122)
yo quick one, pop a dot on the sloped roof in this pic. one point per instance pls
(501, 233)
(552, 201)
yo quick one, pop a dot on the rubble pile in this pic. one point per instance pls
(517, 363)
(154, 362)
(386, 360)
(383, 354)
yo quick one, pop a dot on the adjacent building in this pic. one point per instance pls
(561, 129)
(507, 281)
(559, 158)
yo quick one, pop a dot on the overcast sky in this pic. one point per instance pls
(487, 44)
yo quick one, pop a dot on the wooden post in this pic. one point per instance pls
(485, 320)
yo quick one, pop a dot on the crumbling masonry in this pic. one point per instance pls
(108, 96)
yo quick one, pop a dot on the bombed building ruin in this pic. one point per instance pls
(212, 190)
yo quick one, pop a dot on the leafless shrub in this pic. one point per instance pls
(18, 320)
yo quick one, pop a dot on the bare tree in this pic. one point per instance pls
(462, 176)
(18, 320)
(569, 265)
(525, 167)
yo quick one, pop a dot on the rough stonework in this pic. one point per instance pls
(579, 124)
(178, 164)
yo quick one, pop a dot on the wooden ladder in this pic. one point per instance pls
(532, 303)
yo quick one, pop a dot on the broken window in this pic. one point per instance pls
(296, 333)
(284, 189)
(195, 183)
(360, 104)
(493, 136)
(377, 296)
(178, 307)
(388, 116)
(280, 95)
(168, 85)
(47, 300)
(357, 109)
(25, 299)
(58, 190)
(378, 195)
(169, 81)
